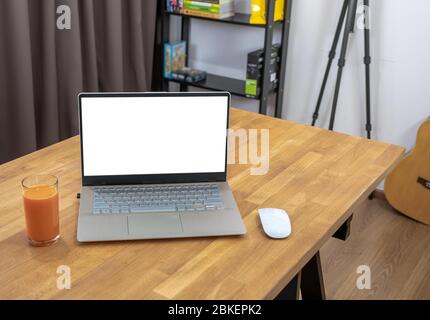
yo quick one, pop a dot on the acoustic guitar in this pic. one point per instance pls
(407, 187)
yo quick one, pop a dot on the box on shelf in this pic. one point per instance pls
(257, 72)
(189, 75)
(253, 87)
(254, 70)
(257, 57)
(174, 57)
(258, 11)
(214, 9)
(176, 6)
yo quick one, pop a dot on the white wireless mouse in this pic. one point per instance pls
(276, 222)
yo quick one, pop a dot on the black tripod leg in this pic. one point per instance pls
(331, 56)
(350, 21)
(367, 62)
(354, 8)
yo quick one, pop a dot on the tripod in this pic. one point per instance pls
(348, 11)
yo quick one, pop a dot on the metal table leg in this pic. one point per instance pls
(312, 282)
(292, 290)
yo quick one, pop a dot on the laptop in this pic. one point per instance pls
(154, 165)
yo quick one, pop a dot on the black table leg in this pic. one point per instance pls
(311, 282)
(343, 232)
(291, 291)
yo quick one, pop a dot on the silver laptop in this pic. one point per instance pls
(154, 166)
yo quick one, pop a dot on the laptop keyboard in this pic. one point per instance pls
(169, 198)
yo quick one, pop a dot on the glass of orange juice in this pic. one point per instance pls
(40, 193)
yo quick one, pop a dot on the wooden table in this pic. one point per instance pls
(318, 176)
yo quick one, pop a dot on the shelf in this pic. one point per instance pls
(238, 18)
(235, 86)
(219, 83)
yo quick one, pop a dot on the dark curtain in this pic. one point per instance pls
(110, 47)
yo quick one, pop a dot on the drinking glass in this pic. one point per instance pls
(41, 206)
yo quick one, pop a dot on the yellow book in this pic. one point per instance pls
(207, 14)
(279, 10)
(258, 11)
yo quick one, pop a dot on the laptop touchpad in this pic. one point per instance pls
(154, 224)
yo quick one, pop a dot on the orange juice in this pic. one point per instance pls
(41, 214)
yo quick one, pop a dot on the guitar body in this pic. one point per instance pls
(407, 187)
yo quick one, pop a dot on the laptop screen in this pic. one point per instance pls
(153, 135)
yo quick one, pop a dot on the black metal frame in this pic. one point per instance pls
(344, 231)
(284, 55)
(268, 40)
(292, 290)
(309, 282)
(312, 281)
(348, 11)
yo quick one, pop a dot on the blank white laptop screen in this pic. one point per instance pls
(153, 135)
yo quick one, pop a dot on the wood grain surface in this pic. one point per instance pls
(318, 176)
(396, 249)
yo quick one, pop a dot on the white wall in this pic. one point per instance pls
(400, 48)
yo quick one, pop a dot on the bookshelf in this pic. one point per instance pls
(237, 86)
(238, 18)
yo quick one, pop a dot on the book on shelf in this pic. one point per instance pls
(215, 9)
(174, 57)
(176, 6)
(258, 14)
(207, 15)
(214, 6)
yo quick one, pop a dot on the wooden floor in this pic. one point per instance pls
(396, 248)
